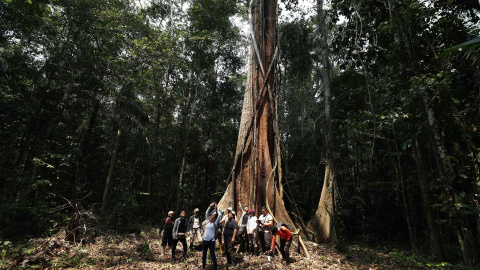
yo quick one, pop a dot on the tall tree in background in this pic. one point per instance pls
(323, 223)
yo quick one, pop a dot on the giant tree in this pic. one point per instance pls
(256, 176)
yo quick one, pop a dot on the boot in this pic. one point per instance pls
(255, 251)
(214, 266)
(204, 262)
(250, 249)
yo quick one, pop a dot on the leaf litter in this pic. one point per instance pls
(143, 251)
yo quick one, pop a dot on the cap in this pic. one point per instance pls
(171, 213)
(196, 210)
(251, 211)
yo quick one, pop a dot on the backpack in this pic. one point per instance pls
(280, 224)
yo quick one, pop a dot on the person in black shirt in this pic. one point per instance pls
(229, 234)
(179, 234)
(167, 237)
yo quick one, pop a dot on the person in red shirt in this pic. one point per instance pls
(285, 241)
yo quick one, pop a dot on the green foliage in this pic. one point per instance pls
(76, 72)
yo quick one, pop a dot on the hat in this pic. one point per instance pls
(229, 209)
(171, 213)
(196, 210)
(233, 213)
(251, 211)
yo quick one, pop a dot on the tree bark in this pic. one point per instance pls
(405, 201)
(110, 173)
(255, 175)
(185, 144)
(324, 221)
(433, 229)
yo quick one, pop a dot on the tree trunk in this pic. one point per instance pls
(255, 175)
(324, 221)
(110, 173)
(406, 205)
(433, 229)
(185, 144)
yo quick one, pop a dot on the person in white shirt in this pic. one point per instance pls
(252, 232)
(265, 223)
(195, 228)
(209, 235)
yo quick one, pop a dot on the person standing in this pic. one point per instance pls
(242, 230)
(265, 223)
(223, 221)
(167, 237)
(179, 234)
(195, 228)
(229, 234)
(252, 232)
(285, 241)
(209, 235)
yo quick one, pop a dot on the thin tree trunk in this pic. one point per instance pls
(434, 231)
(406, 205)
(324, 221)
(110, 173)
(185, 147)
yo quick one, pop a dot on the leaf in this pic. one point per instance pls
(471, 44)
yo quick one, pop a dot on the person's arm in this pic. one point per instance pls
(206, 213)
(234, 235)
(269, 223)
(189, 227)
(219, 216)
(160, 230)
(243, 212)
(175, 228)
(272, 246)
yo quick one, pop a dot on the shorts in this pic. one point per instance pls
(167, 238)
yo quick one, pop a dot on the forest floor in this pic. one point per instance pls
(142, 251)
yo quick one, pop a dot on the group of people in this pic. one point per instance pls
(248, 231)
